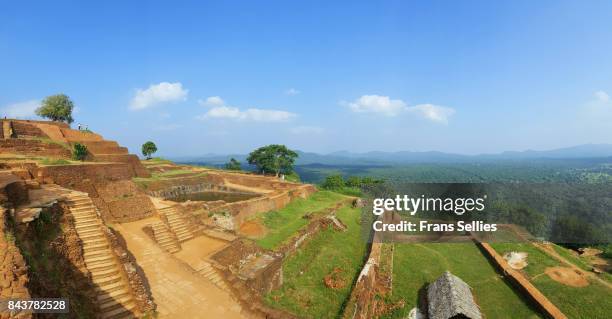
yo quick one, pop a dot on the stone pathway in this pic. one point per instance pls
(178, 291)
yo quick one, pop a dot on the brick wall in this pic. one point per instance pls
(71, 175)
(33, 148)
(25, 129)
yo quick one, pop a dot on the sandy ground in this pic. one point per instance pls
(195, 250)
(177, 291)
(252, 229)
(567, 276)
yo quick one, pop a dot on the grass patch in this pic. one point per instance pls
(54, 161)
(592, 301)
(144, 181)
(417, 265)
(283, 223)
(156, 160)
(47, 140)
(304, 292)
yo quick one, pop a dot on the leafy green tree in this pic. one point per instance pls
(233, 165)
(56, 108)
(273, 159)
(79, 152)
(333, 182)
(148, 149)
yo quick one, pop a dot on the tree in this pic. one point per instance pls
(333, 182)
(273, 159)
(233, 165)
(148, 149)
(56, 108)
(79, 152)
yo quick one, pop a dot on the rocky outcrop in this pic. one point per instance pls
(13, 269)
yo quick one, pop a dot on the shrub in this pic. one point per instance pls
(79, 152)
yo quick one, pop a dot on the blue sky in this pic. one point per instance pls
(226, 77)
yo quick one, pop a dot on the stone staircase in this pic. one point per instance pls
(209, 272)
(7, 130)
(113, 293)
(177, 224)
(165, 238)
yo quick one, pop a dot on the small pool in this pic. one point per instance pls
(213, 196)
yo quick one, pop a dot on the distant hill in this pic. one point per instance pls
(408, 157)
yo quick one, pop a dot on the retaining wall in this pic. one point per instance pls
(519, 281)
(34, 148)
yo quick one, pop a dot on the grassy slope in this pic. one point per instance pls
(416, 265)
(593, 301)
(304, 292)
(283, 223)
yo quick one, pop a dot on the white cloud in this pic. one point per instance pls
(386, 106)
(292, 91)
(602, 96)
(212, 101)
(377, 104)
(158, 93)
(252, 114)
(307, 130)
(20, 110)
(222, 111)
(434, 113)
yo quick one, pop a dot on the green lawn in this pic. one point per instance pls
(593, 301)
(303, 292)
(282, 224)
(417, 265)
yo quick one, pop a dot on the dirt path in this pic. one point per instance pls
(177, 290)
(551, 252)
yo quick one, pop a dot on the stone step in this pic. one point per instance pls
(80, 229)
(88, 254)
(126, 309)
(114, 303)
(85, 213)
(102, 266)
(109, 283)
(104, 272)
(102, 244)
(96, 260)
(165, 240)
(80, 205)
(93, 240)
(183, 235)
(182, 230)
(85, 223)
(83, 209)
(92, 233)
(85, 218)
(78, 201)
(104, 296)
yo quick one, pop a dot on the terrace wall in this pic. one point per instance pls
(519, 281)
(243, 210)
(25, 129)
(33, 148)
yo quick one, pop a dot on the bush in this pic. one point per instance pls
(333, 182)
(233, 165)
(79, 152)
